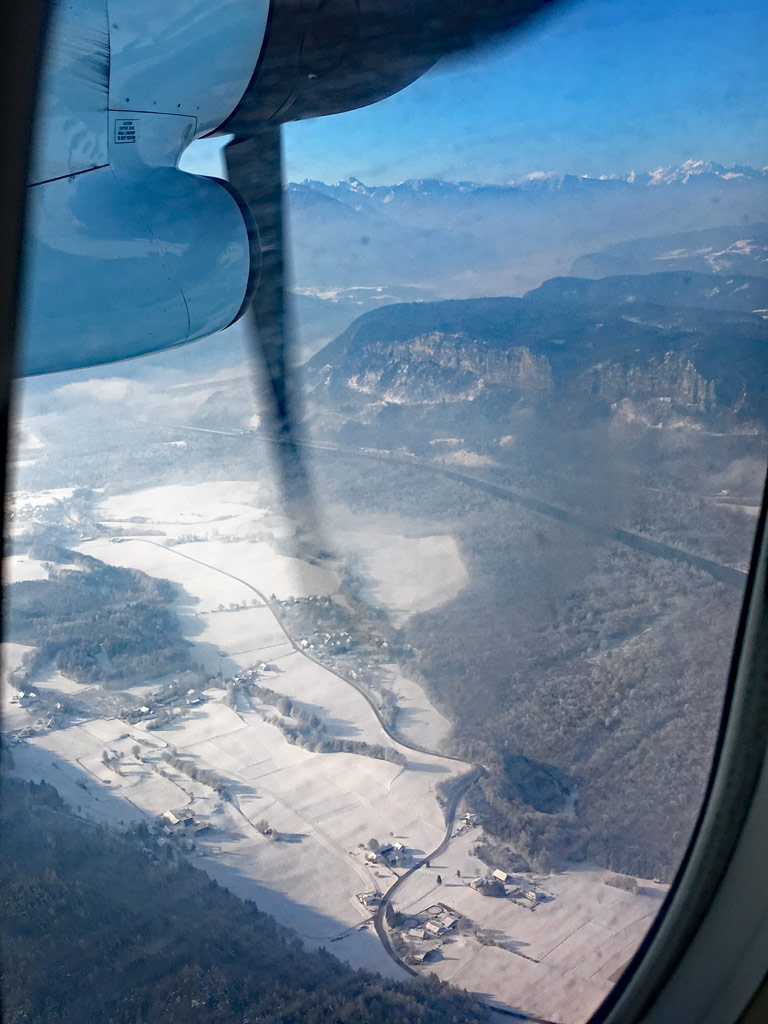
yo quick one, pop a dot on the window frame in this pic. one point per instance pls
(706, 954)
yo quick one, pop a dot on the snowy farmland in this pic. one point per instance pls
(324, 806)
(556, 960)
(292, 831)
(407, 574)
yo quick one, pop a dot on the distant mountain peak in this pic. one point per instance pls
(689, 171)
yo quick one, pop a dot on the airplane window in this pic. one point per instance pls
(433, 673)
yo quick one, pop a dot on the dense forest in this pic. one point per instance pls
(99, 928)
(638, 337)
(95, 622)
(587, 677)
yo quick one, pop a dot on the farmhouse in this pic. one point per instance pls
(424, 955)
(434, 928)
(171, 818)
(502, 876)
(369, 899)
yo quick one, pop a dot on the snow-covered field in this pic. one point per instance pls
(418, 720)
(325, 806)
(407, 574)
(562, 957)
(220, 545)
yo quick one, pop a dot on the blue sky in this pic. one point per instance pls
(602, 86)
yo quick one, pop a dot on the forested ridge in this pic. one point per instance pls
(588, 678)
(100, 928)
(643, 337)
(95, 622)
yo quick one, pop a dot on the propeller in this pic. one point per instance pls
(321, 57)
(255, 169)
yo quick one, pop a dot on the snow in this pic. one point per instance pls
(409, 574)
(324, 805)
(418, 719)
(464, 457)
(563, 955)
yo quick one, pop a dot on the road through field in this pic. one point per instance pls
(636, 541)
(457, 789)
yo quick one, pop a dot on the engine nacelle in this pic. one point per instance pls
(126, 254)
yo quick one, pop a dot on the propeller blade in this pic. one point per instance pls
(255, 167)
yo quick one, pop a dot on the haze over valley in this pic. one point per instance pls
(464, 726)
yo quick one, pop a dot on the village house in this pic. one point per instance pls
(434, 928)
(369, 899)
(425, 955)
(502, 876)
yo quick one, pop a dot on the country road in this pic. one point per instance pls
(450, 817)
(636, 541)
(476, 770)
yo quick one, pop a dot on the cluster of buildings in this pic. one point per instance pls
(181, 823)
(499, 883)
(393, 855)
(24, 698)
(370, 900)
(327, 643)
(53, 715)
(165, 701)
(468, 821)
(426, 934)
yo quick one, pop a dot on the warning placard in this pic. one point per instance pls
(126, 130)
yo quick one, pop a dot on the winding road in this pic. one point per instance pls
(457, 791)
(727, 574)
(637, 541)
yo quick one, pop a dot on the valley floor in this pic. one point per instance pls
(224, 551)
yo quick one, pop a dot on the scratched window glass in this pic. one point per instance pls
(429, 665)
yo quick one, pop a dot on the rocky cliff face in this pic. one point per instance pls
(670, 381)
(436, 366)
(563, 343)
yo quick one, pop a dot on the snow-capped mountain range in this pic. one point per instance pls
(690, 172)
(464, 239)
